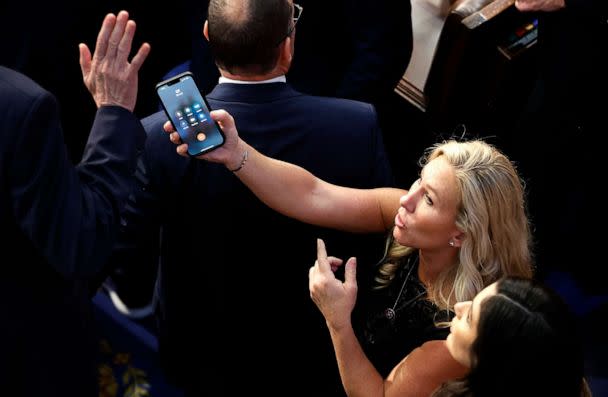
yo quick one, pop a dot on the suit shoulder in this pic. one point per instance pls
(345, 105)
(153, 124)
(18, 87)
(22, 100)
(339, 111)
(349, 117)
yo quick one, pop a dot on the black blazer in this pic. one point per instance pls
(229, 264)
(58, 223)
(356, 49)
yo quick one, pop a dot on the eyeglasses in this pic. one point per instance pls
(297, 13)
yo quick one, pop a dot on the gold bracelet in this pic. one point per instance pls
(243, 161)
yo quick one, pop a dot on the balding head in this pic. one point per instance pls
(244, 35)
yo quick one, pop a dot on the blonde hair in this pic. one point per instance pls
(491, 215)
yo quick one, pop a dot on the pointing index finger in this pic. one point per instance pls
(324, 265)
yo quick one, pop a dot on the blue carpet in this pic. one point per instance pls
(129, 355)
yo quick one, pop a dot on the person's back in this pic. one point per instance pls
(238, 264)
(58, 222)
(229, 264)
(29, 287)
(344, 49)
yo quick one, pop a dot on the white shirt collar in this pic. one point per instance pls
(278, 79)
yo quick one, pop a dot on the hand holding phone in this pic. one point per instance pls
(188, 111)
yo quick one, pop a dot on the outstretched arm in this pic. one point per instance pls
(295, 192)
(418, 374)
(71, 213)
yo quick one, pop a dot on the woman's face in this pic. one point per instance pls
(427, 217)
(463, 330)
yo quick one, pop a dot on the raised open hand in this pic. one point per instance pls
(109, 76)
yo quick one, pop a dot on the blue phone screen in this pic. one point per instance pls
(189, 114)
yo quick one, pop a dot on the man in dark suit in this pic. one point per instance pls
(212, 237)
(59, 221)
(355, 49)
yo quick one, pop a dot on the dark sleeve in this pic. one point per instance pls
(71, 213)
(382, 174)
(381, 36)
(135, 256)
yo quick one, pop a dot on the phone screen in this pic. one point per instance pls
(189, 113)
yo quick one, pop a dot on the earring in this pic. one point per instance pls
(451, 243)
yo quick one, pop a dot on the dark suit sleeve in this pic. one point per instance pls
(135, 256)
(71, 213)
(382, 45)
(382, 174)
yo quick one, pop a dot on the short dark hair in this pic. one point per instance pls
(243, 34)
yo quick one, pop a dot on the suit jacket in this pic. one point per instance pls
(231, 265)
(357, 49)
(59, 222)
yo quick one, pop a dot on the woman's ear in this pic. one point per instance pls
(457, 239)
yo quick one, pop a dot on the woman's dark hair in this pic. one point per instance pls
(244, 34)
(527, 345)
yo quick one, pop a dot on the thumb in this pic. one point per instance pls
(85, 60)
(350, 272)
(522, 5)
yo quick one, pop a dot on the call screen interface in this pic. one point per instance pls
(186, 108)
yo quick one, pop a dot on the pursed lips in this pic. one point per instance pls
(399, 221)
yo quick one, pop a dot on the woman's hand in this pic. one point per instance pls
(335, 299)
(230, 153)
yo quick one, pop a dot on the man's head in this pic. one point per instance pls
(250, 37)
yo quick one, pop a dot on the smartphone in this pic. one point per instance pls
(189, 111)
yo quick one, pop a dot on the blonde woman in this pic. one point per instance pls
(460, 227)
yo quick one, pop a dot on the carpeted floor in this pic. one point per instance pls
(129, 364)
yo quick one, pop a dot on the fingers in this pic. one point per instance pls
(168, 127)
(322, 261)
(350, 272)
(222, 117)
(311, 275)
(521, 6)
(117, 34)
(124, 46)
(334, 262)
(321, 251)
(140, 57)
(175, 138)
(182, 150)
(84, 60)
(101, 46)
